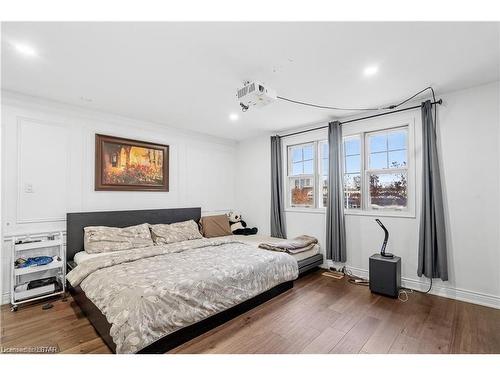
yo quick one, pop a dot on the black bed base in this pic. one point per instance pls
(182, 335)
(310, 264)
(75, 224)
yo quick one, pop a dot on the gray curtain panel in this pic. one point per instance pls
(335, 226)
(278, 227)
(432, 258)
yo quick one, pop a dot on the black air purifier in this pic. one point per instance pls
(385, 275)
(385, 270)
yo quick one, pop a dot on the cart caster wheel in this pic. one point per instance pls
(13, 308)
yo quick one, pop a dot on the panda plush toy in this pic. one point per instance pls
(238, 226)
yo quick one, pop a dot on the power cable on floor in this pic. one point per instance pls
(403, 294)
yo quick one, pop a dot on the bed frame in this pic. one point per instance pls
(75, 222)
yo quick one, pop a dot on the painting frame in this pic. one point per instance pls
(100, 168)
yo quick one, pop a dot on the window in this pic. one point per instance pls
(301, 173)
(387, 169)
(308, 174)
(376, 167)
(323, 167)
(352, 172)
(376, 163)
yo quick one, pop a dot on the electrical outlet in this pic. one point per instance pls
(28, 188)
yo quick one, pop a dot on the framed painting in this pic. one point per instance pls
(128, 165)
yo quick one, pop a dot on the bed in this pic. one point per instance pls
(307, 260)
(152, 300)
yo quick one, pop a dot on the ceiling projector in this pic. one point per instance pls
(255, 94)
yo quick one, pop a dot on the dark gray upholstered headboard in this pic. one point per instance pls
(75, 222)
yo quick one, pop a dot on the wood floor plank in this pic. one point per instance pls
(404, 344)
(392, 324)
(319, 315)
(355, 339)
(325, 342)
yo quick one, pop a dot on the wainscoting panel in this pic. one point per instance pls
(42, 171)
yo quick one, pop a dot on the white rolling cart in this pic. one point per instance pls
(50, 244)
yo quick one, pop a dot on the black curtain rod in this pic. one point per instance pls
(440, 101)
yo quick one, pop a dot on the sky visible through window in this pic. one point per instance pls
(303, 160)
(388, 150)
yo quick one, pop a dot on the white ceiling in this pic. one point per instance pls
(186, 74)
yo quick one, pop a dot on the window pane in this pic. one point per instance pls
(352, 191)
(352, 164)
(308, 167)
(378, 142)
(323, 155)
(296, 154)
(388, 190)
(324, 167)
(324, 150)
(397, 140)
(308, 152)
(352, 146)
(297, 168)
(397, 159)
(302, 192)
(378, 160)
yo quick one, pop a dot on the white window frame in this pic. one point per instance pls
(359, 129)
(314, 137)
(312, 175)
(319, 193)
(367, 170)
(363, 130)
(361, 169)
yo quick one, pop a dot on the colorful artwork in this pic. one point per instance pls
(124, 164)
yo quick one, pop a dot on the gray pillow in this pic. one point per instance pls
(176, 232)
(99, 239)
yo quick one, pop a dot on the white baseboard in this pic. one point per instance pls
(5, 298)
(464, 295)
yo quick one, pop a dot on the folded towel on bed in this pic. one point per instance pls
(296, 245)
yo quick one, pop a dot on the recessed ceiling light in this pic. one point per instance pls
(233, 116)
(25, 49)
(370, 70)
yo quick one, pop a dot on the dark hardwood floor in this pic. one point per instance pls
(319, 315)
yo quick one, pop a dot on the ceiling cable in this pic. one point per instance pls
(393, 106)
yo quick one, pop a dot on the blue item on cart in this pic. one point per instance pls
(35, 261)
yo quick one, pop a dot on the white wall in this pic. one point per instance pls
(468, 124)
(50, 146)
